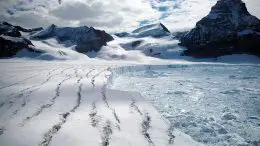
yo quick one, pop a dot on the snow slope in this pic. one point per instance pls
(164, 49)
(152, 30)
(68, 103)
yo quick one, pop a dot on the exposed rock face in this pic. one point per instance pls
(132, 45)
(227, 29)
(122, 34)
(136, 43)
(14, 31)
(9, 30)
(94, 41)
(11, 40)
(86, 39)
(9, 46)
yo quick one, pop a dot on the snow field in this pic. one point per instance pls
(69, 103)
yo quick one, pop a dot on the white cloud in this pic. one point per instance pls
(4, 5)
(111, 15)
(183, 14)
(78, 11)
(32, 19)
(253, 7)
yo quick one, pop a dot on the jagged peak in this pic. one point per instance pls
(232, 13)
(165, 28)
(227, 22)
(52, 26)
(152, 30)
(233, 6)
(149, 26)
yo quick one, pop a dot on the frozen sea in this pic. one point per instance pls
(218, 105)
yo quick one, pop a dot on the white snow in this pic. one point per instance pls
(67, 100)
(52, 50)
(68, 103)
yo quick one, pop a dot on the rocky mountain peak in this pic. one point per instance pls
(12, 41)
(164, 28)
(150, 30)
(233, 13)
(228, 23)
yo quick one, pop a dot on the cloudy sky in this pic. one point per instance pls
(111, 15)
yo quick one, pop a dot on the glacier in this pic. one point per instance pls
(216, 104)
(81, 86)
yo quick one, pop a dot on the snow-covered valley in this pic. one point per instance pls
(68, 103)
(216, 104)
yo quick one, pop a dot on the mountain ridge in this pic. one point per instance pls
(151, 30)
(16, 38)
(85, 38)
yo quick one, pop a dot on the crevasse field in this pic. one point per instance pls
(216, 105)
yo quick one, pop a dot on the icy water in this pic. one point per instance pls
(218, 105)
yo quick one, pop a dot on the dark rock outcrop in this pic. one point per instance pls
(19, 28)
(14, 31)
(9, 30)
(132, 45)
(12, 41)
(136, 43)
(94, 41)
(9, 46)
(122, 34)
(179, 34)
(86, 39)
(227, 29)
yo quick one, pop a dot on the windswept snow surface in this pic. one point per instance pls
(68, 104)
(218, 105)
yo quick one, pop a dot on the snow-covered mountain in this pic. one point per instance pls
(152, 30)
(12, 41)
(164, 48)
(75, 40)
(15, 31)
(85, 38)
(154, 40)
(9, 46)
(228, 29)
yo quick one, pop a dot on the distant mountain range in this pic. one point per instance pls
(228, 29)
(85, 38)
